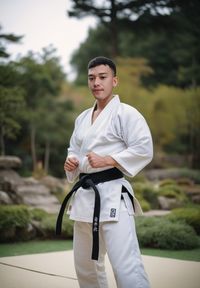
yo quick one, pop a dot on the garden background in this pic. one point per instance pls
(155, 45)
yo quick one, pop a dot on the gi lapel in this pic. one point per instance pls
(98, 127)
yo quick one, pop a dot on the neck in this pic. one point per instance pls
(101, 104)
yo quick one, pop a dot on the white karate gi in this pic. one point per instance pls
(121, 132)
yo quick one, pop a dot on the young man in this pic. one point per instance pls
(109, 140)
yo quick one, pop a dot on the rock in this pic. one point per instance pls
(166, 203)
(160, 174)
(54, 184)
(37, 195)
(157, 213)
(9, 180)
(29, 191)
(5, 199)
(193, 192)
(8, 162)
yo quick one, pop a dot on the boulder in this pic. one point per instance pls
(10, 162)
(166, 203)
(5, 199)
(17, 190)
(35, 194)
(54, 184)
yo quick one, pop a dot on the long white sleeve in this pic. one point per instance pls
(139, 148)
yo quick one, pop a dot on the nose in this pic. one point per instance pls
(96, 81)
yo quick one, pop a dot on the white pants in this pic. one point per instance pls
(120, 242)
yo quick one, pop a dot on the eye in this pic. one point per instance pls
(102, 77)
(90, 78)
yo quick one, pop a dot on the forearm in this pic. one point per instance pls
(109, 161)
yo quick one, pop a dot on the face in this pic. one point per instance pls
(101, 82)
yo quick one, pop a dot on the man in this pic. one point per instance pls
(109, 140)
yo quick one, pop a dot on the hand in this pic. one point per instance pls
(71, 164)
(97, 161)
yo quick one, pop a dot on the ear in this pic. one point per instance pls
(115, 81)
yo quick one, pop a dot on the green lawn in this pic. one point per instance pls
(33, 247)
(190, 255)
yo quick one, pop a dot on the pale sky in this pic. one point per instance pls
(44, 22)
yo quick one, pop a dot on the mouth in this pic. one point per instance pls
(97, 90)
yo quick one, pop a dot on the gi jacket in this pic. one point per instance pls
(121, 132)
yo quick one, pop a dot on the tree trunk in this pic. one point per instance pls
(33, 147)
(113, 29)
(47, 156)
(3, 152)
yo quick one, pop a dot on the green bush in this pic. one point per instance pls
(48, 226)
(38, 214)
(150, 195)
(144, 204)
(191, 215)
(146, 195)
(191, 174)
(172, 191)
(167, 182)
(14, 222)
(160, 232)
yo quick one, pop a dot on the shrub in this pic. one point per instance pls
(38, 214)
(191, 215)
(172, 191)
(150, 195)
(167, 182)
(160, 232)
(144, 204)
(48, 226)
(14, 222)
(146, 194)
(191, 174)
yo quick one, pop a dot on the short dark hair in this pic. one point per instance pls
(101, 60)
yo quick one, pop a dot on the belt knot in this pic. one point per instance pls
(85, 181)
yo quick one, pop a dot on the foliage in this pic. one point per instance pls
(12, 102)
(191, 215)
(4, 37)
(11, 109)
(160, 232)
(156, 47)
(35, 82)
(146, 195)
(48, 225)
(38, 214)
(143, 29)
(172, 191)
(167, 182)
(41, 79)
(14, 220)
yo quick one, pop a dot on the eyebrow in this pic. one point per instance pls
(99, 74)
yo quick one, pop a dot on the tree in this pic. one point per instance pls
(7, 38)
(112, 12)
(53, 129)
(164, 32)
(11, 96)
(41, 78)
(11, 108)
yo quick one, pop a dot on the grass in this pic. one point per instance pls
(189, 255)
(33, 247)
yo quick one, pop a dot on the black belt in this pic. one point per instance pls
(90, 181)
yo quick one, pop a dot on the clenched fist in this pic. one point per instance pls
(71, 164)
(97, 161)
